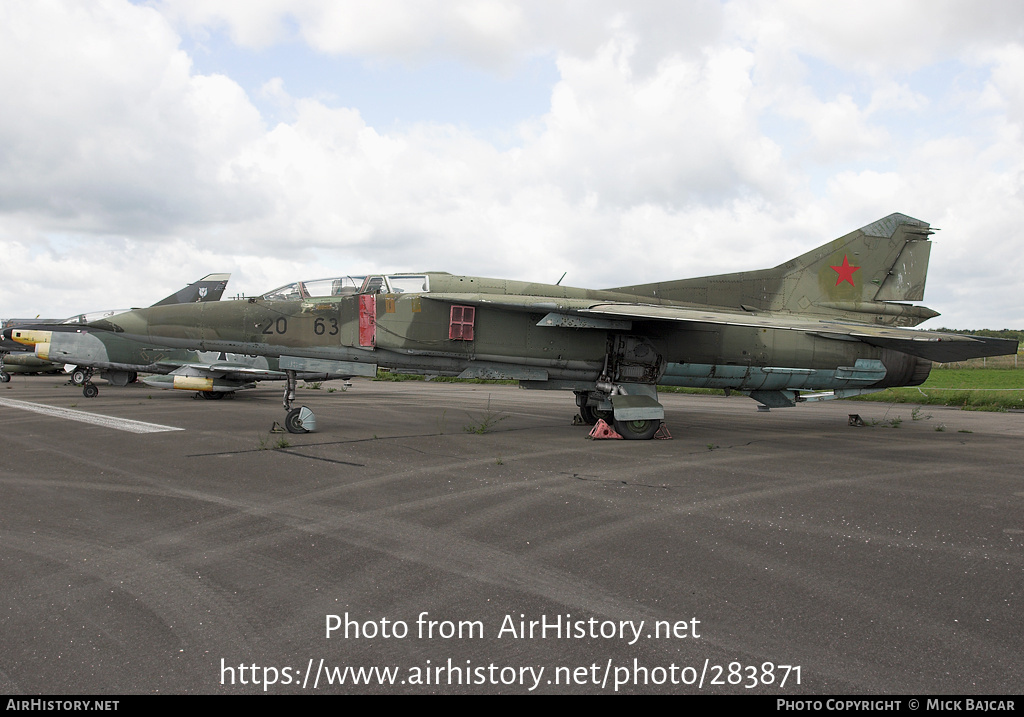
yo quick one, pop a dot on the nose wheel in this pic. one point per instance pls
(297, 420)
(300, 420)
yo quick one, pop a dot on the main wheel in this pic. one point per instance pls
(5, 377)
(637, 430)
(78, 377)
(90, 390)
(293, 422)
(591, 415)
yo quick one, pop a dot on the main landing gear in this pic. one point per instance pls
(639, 415)
(640, 430)
(591, 414)
(625, 394)
(83, 377)
(297, 420)
(80, 376)
(210, 395)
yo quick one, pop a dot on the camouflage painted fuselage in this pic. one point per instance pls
(414, 333)
(832, 319)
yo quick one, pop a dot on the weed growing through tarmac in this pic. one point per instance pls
(886, 422)
(487, 423)
(263, 443)
(916, 415)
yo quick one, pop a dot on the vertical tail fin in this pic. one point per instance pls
(884, 261)
(209, 288)
(861, 273)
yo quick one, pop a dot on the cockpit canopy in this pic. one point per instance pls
(93, 316)
(346, 285)
(338, 286)
(396, 284)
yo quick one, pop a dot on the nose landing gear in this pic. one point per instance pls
(297, 420)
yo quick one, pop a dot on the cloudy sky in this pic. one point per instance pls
(145, 144)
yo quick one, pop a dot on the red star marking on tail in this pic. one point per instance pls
(845, 272)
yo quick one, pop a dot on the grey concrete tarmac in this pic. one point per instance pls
(883, 559)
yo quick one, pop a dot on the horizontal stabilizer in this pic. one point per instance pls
(947, 351)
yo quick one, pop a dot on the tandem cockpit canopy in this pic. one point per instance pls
(337, 286)
(396, 284)
(93, 316)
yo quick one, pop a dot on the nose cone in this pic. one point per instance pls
(28, 337)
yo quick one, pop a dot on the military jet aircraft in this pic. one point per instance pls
(15, 359)
(25, 362)
(40, 335)
(831, 322)
(210, 374)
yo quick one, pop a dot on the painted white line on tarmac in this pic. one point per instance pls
(121, 424)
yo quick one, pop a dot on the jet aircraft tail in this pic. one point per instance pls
(210, 288)
(872, 271)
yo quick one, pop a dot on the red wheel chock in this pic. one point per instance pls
(602, 430)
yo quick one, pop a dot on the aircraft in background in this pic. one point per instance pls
(211, 374)
(830, 323)
(15, 359)
(17, 332)
(24, 362)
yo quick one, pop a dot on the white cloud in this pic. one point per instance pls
(683, 134)
(490, 33)
(1004, 91)
(681, 139)
(880, 37)
(107, 129)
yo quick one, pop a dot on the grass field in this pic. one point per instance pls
(970, 385)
